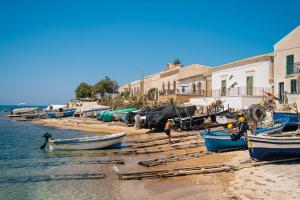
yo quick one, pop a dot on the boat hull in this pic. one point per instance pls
(292, 119)
(219, 140)
(109, 142)
(273, 148)
(66, 113)
(216, 143)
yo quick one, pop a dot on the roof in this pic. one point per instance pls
(193, 71)
(258, 58)
(289, 36)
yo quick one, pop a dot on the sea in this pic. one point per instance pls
(27, 172)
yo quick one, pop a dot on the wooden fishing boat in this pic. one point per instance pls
(274, 147)
(221, 139)
(64, 113)
(20, 111)
(293, 119)
(84, 143)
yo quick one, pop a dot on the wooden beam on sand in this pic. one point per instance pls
(172, 147)
(176, 172)
(164, 160)
(162, 142)
(164, 137)
(177, 146)
(261, 163)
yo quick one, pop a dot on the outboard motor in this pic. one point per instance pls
(47, 137)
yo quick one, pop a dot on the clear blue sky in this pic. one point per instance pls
(48, 47)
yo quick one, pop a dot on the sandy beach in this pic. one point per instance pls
(276, 181)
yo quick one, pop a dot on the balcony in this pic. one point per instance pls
(293, 70)
(239, 91)
(166, 92)
(190, 92)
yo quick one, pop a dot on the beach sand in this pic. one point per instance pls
(274, 181)
(263, 182)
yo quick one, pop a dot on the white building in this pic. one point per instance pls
(241, 83)
(287, 66)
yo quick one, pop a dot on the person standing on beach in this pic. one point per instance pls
(168, 128)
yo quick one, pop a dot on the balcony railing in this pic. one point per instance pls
(190, 92)
(166, 92)
(239, 91)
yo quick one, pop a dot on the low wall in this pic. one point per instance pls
(233, 102)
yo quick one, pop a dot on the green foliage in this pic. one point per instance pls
(105, 85)
(177, 61)
(125, 94)
(83, 90)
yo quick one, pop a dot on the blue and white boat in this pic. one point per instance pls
(273, 147)
(221, 139)
(293, 119)
(84, 143)
(64, 113)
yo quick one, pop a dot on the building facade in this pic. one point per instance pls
(287, 67)
(241, 83)
(192, 81)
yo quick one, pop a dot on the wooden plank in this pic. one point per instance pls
(176, 172)
(164, 137)
(164, 160)
(162, 142)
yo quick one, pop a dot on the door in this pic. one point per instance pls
(249, 84)
(281, 91)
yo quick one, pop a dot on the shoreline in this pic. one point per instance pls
(280, 180)
(90, 125)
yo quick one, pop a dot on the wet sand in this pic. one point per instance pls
(264, 182)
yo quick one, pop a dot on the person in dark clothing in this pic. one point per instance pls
(243, 127)
(168, 128)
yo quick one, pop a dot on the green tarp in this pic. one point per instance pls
(107, 116)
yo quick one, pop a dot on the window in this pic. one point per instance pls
(168, 85)
(199, 86)
(183, 89)
(293, 86)
(194, 88)
(174, 85)
(223, 88)
(163, 87)
(249, 83)
(289, 64)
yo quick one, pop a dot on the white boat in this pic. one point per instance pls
(54, 107)
(20, 111)
(84, 143)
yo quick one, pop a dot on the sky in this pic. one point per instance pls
(48, 47)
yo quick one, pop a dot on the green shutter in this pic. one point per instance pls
(290, 64)
(249, 84)
(223, 88)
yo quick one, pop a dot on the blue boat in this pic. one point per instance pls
(64, 113)
(221, 139)
(274, 147)
(293, 119)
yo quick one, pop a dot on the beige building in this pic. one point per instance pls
(287, 66)
(168, 79)
(194, 80)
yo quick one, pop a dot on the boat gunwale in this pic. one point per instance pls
(88, 139)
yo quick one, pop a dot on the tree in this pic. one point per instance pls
(105, 85)
(83, 90)
(177, 61)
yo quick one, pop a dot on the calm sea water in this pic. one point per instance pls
(30, 173)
